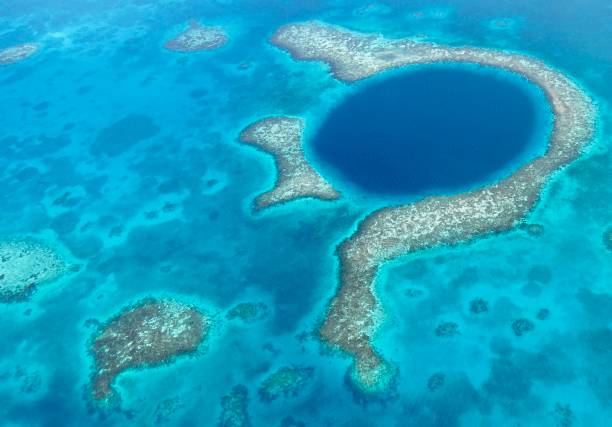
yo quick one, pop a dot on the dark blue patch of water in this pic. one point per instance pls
(435, 129)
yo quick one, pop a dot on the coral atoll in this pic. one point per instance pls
(25, 264)
(354, 314)
(149, 333)
(282, 137)
(18, 53)
(196, 38)
(289, 381)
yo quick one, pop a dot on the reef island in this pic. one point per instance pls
(17, 53)
(354, 314)
(149, 333)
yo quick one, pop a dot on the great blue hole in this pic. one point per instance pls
(437, 129)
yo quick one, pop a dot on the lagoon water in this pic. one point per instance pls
(128, 156)
(438, 129)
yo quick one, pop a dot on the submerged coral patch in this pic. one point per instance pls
(13, 54)
(447, 329)
(607, 238)
(123, 134)
(354, 314)
(479, 305)
(248, 312)
(26, 264)
(235, 408)
(522, 326)
(151, 332)
(197, 37)
(166, 409)
(289, 381)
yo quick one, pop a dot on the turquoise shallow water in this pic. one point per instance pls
(103, 126)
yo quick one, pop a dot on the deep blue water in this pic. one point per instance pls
(434, 129)
(127, 156)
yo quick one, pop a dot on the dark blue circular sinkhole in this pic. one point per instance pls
(434, 129)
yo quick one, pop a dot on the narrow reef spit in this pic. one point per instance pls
(354, 314)
(18, 53)
(197, 38)
(149, 333)
(282, 137)
(25, 264)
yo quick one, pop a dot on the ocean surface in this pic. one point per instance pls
(104, 126)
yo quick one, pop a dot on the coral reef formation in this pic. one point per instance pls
(289, 381)
(543, 314)
(248, 312)
(607, 238)
(151, 332)
(25, 264)
(282, 137)
(436, 381)
(18, 53)
(522, 326)
(447, 329)
(196, 38)
(235, 408)
(479, 305)
(354, 313)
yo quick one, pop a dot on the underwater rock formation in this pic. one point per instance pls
(287, 382)
(354, 314)
(197, 38)
(149, 333)
(282, 137)
(25, 264)
(18, 53)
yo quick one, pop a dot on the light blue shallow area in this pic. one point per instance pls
(104, 126)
